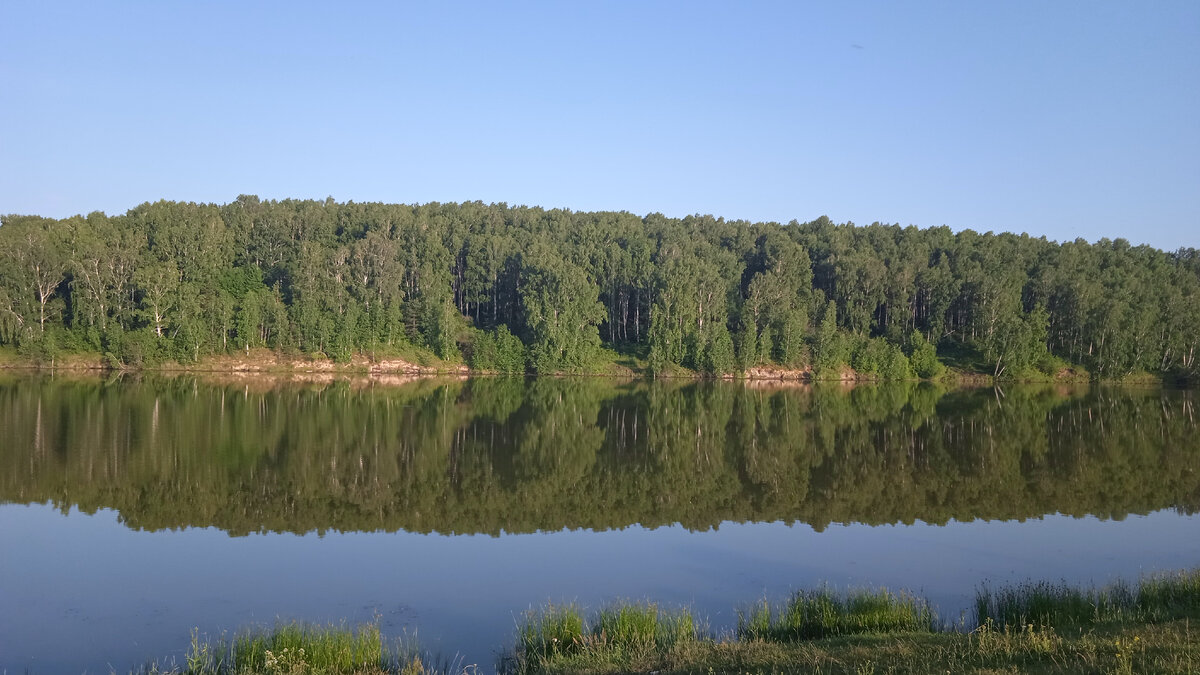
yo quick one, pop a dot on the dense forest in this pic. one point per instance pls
(516, 289)
(527, 454)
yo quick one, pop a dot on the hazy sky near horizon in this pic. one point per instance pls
(1060, 119)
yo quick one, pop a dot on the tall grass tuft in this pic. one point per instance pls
(642, 626)
(333, 649)
(1156, 598)
(619, 635)
(549, 632)
(1048, 604)
(754, 622)
(628, 626)
(307, 649)
(1163, 597)
(824, 613)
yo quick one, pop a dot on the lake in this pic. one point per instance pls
(133, 510)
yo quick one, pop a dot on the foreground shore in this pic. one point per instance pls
(1147, 627)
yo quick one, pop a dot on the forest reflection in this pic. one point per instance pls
(494, 455)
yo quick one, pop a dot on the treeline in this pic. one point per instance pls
(520, 288)
(520, 455)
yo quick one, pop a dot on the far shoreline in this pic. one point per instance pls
(399, 370)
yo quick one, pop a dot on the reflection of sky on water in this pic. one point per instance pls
(83, 592)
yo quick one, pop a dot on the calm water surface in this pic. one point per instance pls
(133, 511)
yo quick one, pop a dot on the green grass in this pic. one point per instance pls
(413, 354)
(332, 649)
(960, 357)
(1048, 604)
(622, 637)
(300, 649)
(1170, 595)
(1156, 598)
(1151, 626)
(550, 632)
(623, 360)
(643, 626)
(607, 361)
(1121, 628)
(1172, 648)
(825, 613)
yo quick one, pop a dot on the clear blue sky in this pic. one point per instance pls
(1063, 119)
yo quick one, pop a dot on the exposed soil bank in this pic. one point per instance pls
(254, 361)
(398, 370)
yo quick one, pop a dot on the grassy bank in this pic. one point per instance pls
(1148, 627)
(1030, 628)
(1154, 600)
(297, 649)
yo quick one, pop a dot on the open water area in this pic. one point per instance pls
(134, 510)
